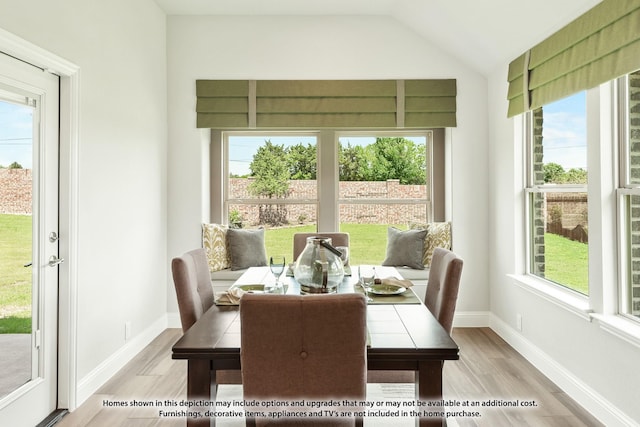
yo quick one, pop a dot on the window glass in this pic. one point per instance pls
(383, 181)
(272, 183)
(630, 292)
(558, 197)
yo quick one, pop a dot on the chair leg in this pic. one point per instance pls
(250, 422)
(359, 421)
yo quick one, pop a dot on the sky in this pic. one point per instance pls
(564, 135)
(16, 131)
(242, 148)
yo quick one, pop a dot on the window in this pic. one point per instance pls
(272, 183)
(629, 194)
(329, 181)
(557, 193)
(384, 181)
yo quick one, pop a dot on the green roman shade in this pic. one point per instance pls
(263, 104)
(600, 45)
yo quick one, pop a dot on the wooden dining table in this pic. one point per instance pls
(403, 336)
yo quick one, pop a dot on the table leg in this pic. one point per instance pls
(429, 387)
(199, 388)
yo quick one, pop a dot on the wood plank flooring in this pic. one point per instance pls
(489, 370)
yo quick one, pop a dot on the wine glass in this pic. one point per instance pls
(367, 277)
(277, 265)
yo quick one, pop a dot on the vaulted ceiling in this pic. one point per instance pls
(481, 33)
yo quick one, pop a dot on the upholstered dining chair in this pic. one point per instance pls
(194, 291)
(441, 297)
(443, 285)
(300, 240)
(193, 286)
(297, 347)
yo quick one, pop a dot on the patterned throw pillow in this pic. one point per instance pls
(214, 242)
(438, 236)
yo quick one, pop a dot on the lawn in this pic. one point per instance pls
(15, 279)
(566, 262)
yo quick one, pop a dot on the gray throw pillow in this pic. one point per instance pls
(404, 248)
(246, 248)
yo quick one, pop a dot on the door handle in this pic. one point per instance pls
(54, 260)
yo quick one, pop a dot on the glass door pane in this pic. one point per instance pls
(16, 283)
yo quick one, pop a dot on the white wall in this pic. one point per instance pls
(321, 48)
(120, 48)
(597, 368)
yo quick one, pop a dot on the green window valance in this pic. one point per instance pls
(598, 46)
(246, 104)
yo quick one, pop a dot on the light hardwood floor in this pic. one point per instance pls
(489, 370)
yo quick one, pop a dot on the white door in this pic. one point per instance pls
(29, 110)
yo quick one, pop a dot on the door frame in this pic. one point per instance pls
(68, 205)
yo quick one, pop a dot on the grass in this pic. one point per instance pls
(566, 262)
(15, 279)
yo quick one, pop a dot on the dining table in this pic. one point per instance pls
(403, 335)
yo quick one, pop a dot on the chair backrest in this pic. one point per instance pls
(192, 280)
(299, 346)
(442, 287)
(300, 241)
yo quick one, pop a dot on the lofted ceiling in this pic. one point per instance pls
(481, 33)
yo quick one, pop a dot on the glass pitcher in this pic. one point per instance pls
(319, 269)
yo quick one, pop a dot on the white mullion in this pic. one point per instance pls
(558, 189)
(328, 187)
(272, 201)
(383, 201)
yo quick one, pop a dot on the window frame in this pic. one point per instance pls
(608, 185)
(328, 200)
(427, 201)
(531, 188)
(227, 200)
(624, 191)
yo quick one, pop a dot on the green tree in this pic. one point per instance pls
(270, 171)
(354, 163)
(553, 173)
(399, 158)
(576, 176)
(15, 165)
(301, 161)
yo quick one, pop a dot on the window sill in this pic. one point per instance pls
(574, 303)
(620, 327)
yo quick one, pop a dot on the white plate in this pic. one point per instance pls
(253, 289)
(386, 289)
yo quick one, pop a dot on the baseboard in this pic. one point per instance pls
(173, 320)
(587, 397)
(107, 369)
(471, 319)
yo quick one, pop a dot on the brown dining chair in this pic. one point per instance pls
(296, 347)
(442, 287)
(300, 241)
(194, 291)
(440, 299)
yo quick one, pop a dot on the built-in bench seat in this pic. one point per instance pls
(216, 242)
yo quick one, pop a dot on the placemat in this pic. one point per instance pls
(407, 297)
